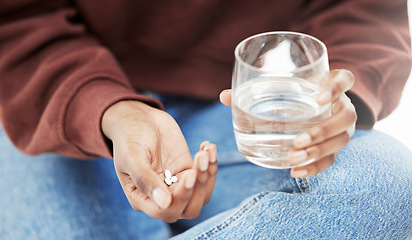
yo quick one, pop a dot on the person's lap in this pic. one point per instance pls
(54, 197)
(363, 195)
(367, 188)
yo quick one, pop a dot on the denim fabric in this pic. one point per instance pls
(54, 197)
(364, 195)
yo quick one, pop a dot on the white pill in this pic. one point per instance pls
(169, 179)
(168, 174)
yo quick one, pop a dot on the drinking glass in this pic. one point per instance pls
(276, 79)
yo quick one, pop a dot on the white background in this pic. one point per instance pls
(399, 123)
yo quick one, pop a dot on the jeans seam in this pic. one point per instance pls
(307, 185)
(303, 185)
(232, 218)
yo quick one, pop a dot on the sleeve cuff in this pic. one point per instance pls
(82, 124)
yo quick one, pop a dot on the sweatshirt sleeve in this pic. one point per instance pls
(56, 81)
(371, 39)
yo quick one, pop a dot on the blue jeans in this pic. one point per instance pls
(364, 195)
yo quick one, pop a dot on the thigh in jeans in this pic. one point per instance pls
(364, 195)
(54, 197)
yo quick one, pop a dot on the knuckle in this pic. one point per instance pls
(140, 183)
(167, 216)
(346, 137)
(212, 169)
(319, 133)
(206, 201)
(329, 161)
(168, 219)
(312, 169)
(185, 198)
(202, 178)
(313, 152)
(332, 158)
(351, 115)
(321, 165)
(171, 220)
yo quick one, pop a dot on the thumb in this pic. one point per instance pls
(149, 183)
(226, 97)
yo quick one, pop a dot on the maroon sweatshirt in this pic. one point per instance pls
(62, 63)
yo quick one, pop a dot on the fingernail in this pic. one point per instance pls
(203, 162)
(298, 156)
(299, 173)
(190, 181)
(226, 91)
(202, 146)
(302, 140)
(161, 198)
(324, 97)
(212, 154)
(213, 158)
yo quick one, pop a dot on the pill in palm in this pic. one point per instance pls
(169, 179)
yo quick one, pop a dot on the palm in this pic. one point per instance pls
(146, 143)
(175, 154)
(158, 140)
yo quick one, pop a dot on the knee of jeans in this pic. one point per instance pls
(375, 151)
(372, 161)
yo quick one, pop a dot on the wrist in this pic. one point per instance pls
(114, 115)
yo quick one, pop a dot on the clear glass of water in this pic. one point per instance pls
(276, 79)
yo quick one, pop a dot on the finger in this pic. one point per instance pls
(212, 171)
(342, 119)
(133, 195)
(212, 151)
(195, 204)
(182, 193)
(137, 199)
(185, 186)
(321, 150)
(313, 168)
(203, 145)
(201, 164)
(226, 97)
(340, 81)
(203, 189)
(150, 183)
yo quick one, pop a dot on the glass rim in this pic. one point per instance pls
(302, 68)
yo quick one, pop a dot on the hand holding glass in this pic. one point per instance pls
(276, 79)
